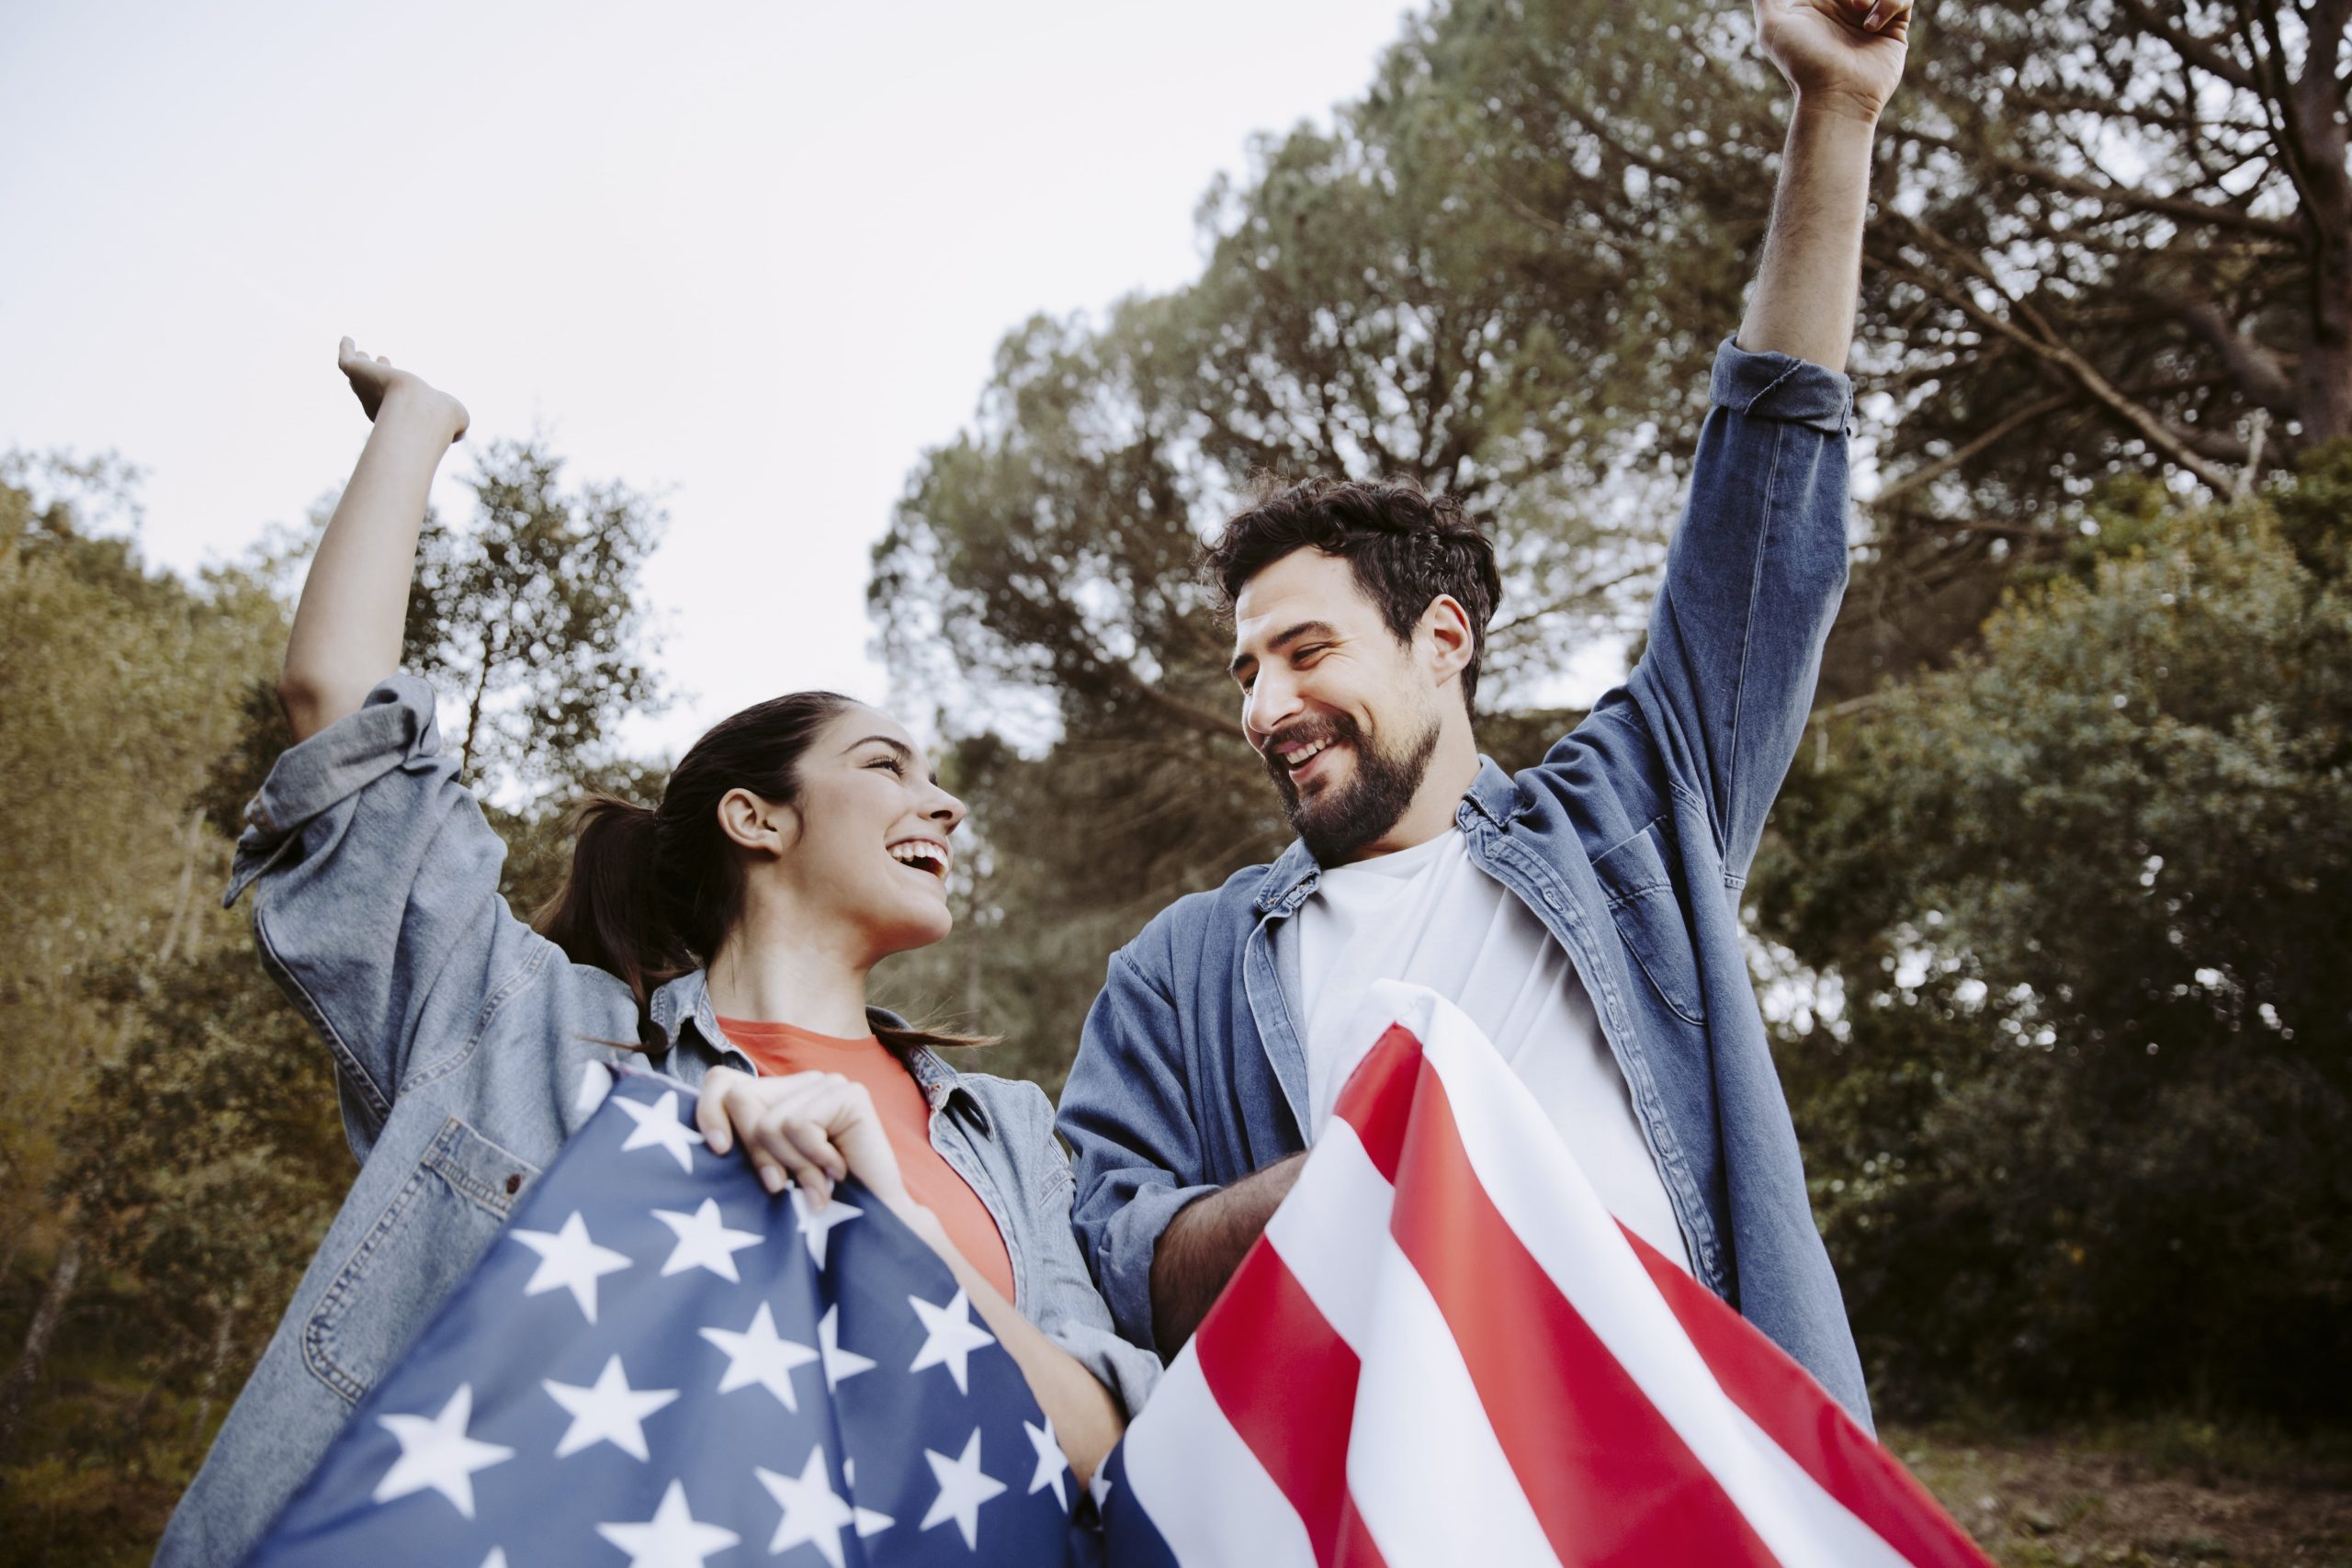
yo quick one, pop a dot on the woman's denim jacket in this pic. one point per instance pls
(460, 1038)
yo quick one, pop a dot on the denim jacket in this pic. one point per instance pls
(1630, 840)
(460, 1038)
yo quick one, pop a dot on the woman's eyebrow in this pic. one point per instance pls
(906, 753)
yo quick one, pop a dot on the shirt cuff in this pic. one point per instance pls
(393, 727)
(1124, 1264)
(1779, 385)
(1129, 1372)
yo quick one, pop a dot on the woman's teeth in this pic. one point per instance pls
(922, 855)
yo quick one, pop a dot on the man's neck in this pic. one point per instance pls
(1450, 773)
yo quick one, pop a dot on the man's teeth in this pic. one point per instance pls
(1299, 759)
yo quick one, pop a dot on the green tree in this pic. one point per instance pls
(532, 617)
(189, 1153)
(2078, 1131)
(117, 685)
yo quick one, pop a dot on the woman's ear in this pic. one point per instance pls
(762, 826)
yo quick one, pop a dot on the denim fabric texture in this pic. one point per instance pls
(460, 1039)
(1630, 840)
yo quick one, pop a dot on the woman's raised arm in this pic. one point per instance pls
(346, 633)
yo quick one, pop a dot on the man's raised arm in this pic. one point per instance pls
(1755, 570)
(1844, 58)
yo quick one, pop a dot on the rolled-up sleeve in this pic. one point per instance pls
(1138, 1154)
(1062, 1300)
(1753, 581)
(375, 904)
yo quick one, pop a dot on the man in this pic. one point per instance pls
(1585, 912)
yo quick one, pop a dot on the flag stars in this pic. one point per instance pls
(814, 1513)
(962, 1489)
(607, 1410)
(949, 1337)
(703, 1241)
(759, 1357)
(570, 1260)
(840, 1364)
(658, 1127)
(436, 1454)
(817, 1223)
(673, 1538)
(1051, 1464)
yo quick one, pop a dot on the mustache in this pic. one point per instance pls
(1305, 732)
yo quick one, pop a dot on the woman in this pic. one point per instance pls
(730, 932)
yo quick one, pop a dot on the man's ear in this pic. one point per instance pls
(1445, 640)
(763, 827)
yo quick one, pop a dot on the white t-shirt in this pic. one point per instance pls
(1428, 916)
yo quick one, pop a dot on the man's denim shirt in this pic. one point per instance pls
(460, 1038)
(1629, 841)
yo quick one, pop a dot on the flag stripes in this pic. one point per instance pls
(1444, 1350)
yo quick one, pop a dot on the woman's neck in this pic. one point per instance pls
(768, 970)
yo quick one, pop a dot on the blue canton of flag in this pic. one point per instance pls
(657, 1363)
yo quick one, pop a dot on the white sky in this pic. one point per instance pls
(735, 251)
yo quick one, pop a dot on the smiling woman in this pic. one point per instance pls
(723, 936)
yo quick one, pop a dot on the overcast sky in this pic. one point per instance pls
(758, 255)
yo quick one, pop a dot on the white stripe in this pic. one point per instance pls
(1426, 1471)
(1543, 1195)
(1213, 1501)
(1332, 1228)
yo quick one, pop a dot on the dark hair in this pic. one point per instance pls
(1405, 545)
(652, 892)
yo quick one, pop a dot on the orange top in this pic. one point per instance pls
(906, 1117)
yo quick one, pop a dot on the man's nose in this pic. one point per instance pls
(1274, 698)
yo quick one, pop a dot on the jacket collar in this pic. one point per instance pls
(686, 999)
(1291, 880)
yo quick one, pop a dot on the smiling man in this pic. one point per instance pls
(1584, 913)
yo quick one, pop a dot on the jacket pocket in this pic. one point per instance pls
(425, 1240)
(1649, 919)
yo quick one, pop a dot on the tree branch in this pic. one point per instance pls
(2196, 52)
(2256, 370)
(1919, 479)
(2043, 342)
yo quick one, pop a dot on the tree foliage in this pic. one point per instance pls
(2081, 1122)
(172, 1152)
(532, 618)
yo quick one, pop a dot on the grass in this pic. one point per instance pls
(2150, 1493)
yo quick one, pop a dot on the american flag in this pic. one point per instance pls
(658, 1365)
(1444, 1351)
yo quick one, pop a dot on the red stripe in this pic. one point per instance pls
(1610, 1480)
(1288, 1385)
(1810, 1427)
(1378, 1099)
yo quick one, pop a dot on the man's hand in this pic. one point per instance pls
(1842, 56)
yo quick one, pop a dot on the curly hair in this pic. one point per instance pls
(1405, 546)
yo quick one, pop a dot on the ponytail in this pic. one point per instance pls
(610, 912)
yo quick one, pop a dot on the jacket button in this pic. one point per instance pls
(513, 1183)
(1552, 900)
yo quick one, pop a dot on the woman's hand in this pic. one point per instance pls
(376, 384)
(813, 1128)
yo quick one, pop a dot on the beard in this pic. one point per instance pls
(1345, 816)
